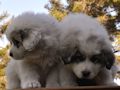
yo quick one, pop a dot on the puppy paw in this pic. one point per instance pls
(30, 84)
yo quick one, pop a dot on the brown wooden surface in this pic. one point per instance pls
(80, 88)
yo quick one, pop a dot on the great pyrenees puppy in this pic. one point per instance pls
(33, 50)
(86, 50)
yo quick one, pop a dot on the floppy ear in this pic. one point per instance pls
(107, 52)
(109, 58)
(30, 38)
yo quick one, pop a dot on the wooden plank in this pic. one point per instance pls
(79, 88)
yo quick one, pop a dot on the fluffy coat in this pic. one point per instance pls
(34, 50)
(86, 50)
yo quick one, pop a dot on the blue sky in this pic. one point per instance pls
(16, 7)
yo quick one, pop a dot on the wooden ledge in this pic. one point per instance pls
(79, 88)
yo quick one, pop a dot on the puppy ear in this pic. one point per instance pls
(31, 38)
(23, 34)
(109, 58)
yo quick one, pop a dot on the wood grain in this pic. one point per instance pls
(79, 88)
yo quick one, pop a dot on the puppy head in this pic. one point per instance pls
(85, 46)
(28, 32)
(23, 41)
(88, 58)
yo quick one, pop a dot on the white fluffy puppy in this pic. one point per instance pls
(86, 50)
(33, 50)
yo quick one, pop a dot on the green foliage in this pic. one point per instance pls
(3, 52)
(3, 27)
(3, 62)
(57, 10)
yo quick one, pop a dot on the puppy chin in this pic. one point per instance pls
(17, 57)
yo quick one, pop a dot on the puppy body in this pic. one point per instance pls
(33, 51)
(86, 49)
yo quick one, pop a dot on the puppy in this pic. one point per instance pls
(86, 50)
(33, 50)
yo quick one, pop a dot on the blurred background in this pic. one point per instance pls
(106, 12)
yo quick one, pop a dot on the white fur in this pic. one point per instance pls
(37, 52)
(87, 65)
(76, 29)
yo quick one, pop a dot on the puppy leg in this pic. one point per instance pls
(67, 79)
(53, 78)
(13, 81)
(28, 75)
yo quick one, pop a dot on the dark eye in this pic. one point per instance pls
(16, 43)
(66, 60)
(96, 58)
(77, 57)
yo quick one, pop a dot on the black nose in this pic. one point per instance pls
(85, 73)
(11, 54)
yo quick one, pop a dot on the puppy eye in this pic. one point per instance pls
(66, 60)
(78, 57)
(96, 58)
(16, 43)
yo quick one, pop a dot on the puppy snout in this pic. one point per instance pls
(11, 54)
(85, 73)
